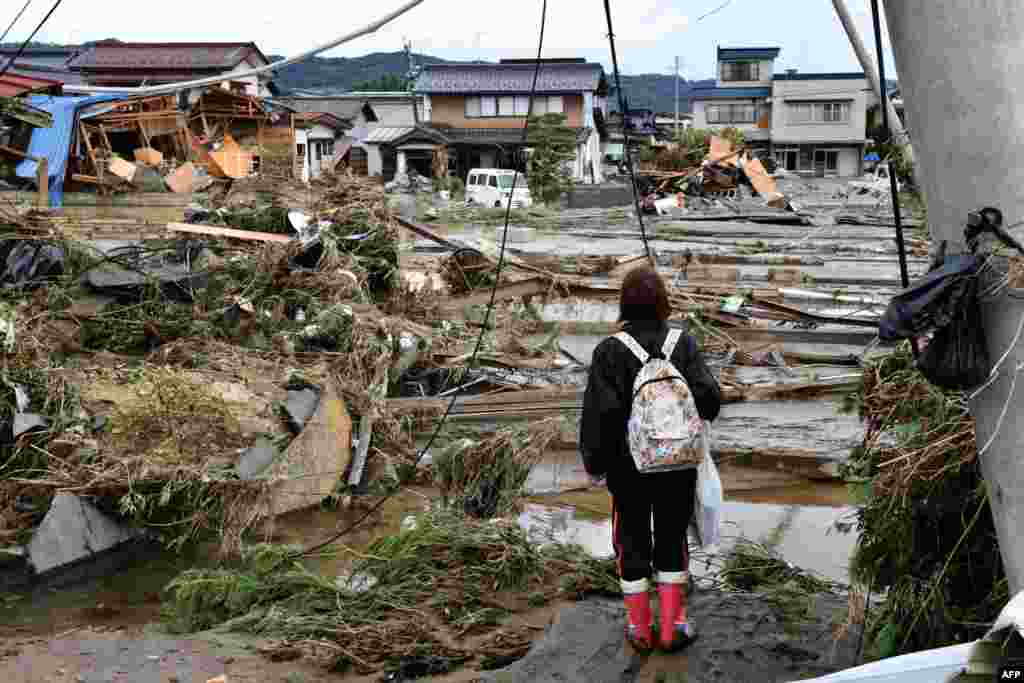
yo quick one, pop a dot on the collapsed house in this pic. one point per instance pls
(113, 143)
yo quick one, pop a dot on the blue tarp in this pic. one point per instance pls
(54, 142)
(872, 156)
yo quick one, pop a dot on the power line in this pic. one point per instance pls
(715, 11)
(29, 39)
(4, 36)
(487, 314)
(625, 131)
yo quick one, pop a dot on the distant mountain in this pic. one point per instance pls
(339, 74)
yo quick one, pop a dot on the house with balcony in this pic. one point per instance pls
(812, 124)
(742, 95)
(478, 111)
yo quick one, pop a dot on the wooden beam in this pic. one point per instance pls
(17, 153)
(214, 231)
(43, 180)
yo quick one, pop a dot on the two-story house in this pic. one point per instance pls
(742, 95)
(480, 110)
(819, 122)
(809, 123)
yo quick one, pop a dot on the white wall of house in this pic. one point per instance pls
(765, 72)
(301, 141)
(790, 100)
(322, 141)
(254, 85)
(374, 160)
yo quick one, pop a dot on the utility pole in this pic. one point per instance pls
(963, 96)
(677, 99)
(896, 131)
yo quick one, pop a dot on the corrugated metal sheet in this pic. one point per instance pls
(54, 142)
(12, 84)
(386, 134)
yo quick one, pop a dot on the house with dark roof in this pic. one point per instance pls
(811, 124)
(41, 63)
(480, 111)
(112, 63)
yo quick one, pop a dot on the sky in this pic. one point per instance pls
(650, 34)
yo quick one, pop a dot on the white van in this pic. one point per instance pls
(492, 187)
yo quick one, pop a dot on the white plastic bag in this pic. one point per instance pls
(707, 503)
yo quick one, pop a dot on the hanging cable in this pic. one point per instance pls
(901, 247)
(29, 39)
(15, 21)
(625, 132)
(487, 314)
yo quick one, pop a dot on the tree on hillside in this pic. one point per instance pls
(553, 145)
(386, 83)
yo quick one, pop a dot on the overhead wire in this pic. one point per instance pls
(15, 21)
(625, 132)
(29, 39)
(487, 314)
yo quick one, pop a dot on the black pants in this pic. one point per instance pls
(669, 496)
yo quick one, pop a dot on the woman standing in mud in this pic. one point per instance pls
(668, 495)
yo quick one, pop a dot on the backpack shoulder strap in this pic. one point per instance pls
(669, 347)
(633, 346)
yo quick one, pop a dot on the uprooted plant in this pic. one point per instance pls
(926, 534)
(445, 574)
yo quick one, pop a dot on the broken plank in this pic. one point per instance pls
(17, 153)
(214, 231)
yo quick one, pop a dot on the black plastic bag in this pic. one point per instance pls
(932, 302)
(957, 356)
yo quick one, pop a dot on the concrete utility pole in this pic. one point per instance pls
(896, 130)
(677, 99)
(958, 64)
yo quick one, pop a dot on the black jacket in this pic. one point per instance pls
(608, 399)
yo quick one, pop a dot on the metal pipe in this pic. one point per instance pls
(895, 126)
(959, 71)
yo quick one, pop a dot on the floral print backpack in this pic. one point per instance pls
(664, 428)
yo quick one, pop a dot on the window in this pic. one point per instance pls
(819, 112)
(505, 182)
(329, 148)
(827, 160)
(506, 106)
(731, 113)
(488, 106)
(472, 179)
(300, 150)
(319, 151)
(492, 181)
(555, 105)
(472, 107)
(522, 107)
(741, 71)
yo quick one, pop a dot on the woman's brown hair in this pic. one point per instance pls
(644, 296)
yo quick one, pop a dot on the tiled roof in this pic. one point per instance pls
(729, 93)
(42, 72)
(325, 119)
(508, 78)
(179, 57)
(848, 76)
(343, 108)
(734, 53)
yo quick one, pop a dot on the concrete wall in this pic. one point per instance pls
(766, 70)
(374, 160)
(451, 110)
(785, 130)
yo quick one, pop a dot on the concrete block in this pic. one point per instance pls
(74, 530)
